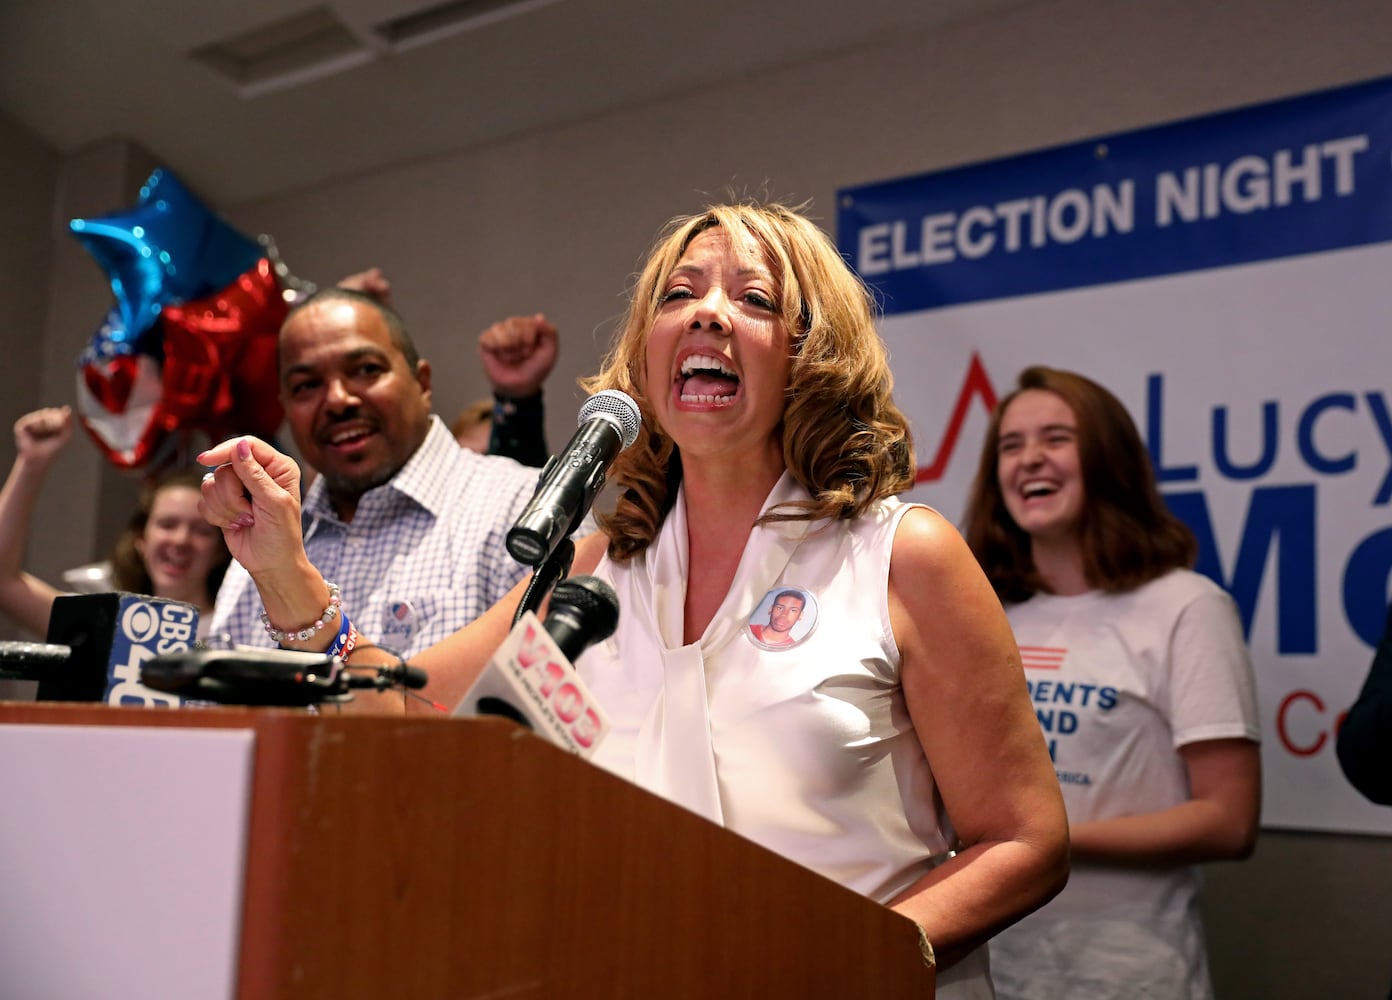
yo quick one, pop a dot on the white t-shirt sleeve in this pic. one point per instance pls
(1212, 693)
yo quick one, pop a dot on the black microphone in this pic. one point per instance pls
(96, 645)
(251, 675)
(248, 675)
(530, 678)
(609, 423)
(584, 610)
(400, 675)
(31, 661)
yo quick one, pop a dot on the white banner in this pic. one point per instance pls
(1249, 339)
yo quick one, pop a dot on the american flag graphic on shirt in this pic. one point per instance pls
(1042, 657)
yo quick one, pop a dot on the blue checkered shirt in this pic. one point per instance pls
(423, 556)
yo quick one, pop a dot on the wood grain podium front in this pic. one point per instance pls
(469, 858)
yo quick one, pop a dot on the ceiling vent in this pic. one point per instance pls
(317, 43)
(299, 49)
(430, 24)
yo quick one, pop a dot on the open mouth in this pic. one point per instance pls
(1036, 489)
(348, 436)
(705, 378)
(172, 566)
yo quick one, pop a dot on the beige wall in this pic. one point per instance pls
(28, 169)
(557, 220)
(59, 297)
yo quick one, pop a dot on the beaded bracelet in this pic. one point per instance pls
(308, 632)
(344, 641)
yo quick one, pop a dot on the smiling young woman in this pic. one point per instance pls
(1141, 683)
(167, 550)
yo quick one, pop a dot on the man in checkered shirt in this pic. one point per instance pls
(409, 525)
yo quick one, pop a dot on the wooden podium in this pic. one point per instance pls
(469, 858)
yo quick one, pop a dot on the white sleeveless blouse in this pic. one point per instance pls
(809, 750)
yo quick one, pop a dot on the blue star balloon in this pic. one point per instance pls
(113, 339)
(168, 247)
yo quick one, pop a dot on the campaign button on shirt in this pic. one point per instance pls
(783, 618)
(401, 621)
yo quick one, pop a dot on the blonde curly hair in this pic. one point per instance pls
(844, 440)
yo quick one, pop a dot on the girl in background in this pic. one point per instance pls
(167, 550)
(1141, 681)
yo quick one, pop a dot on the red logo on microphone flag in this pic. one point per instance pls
(530, 673)
(1042, 657)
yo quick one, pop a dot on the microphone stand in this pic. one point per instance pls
(546, 576)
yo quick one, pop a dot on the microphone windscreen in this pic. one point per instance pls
(618, 407)
(584, 610)
(110, 636)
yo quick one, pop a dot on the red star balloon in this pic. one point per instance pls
(220, 357)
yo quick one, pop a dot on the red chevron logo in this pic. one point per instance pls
(976, 384)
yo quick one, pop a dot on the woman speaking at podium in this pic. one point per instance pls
(888, 742)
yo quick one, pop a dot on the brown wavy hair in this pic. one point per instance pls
(128, 570)
(1127, 535)
(844, 440)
